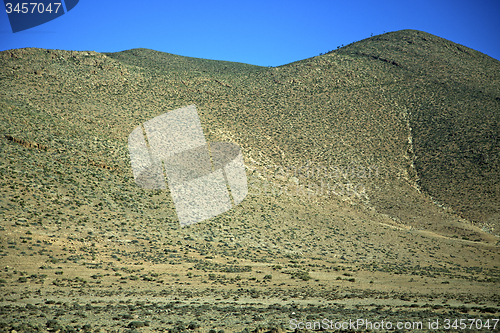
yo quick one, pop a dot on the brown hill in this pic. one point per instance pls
(373, 175)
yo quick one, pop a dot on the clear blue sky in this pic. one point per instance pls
(267, 33)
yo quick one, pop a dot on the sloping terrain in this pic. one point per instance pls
(373, 178)
(453, 112)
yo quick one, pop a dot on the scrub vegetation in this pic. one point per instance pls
(373, 177)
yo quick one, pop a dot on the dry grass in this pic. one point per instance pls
(407, 119)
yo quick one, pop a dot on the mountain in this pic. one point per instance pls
(373, 189)
(453, 103)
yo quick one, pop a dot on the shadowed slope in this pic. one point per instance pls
(453, 112)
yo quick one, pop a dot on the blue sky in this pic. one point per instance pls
(266, 33)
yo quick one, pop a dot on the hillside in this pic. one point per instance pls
(373, 175)
(453, 104)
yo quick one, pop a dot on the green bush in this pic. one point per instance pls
(303, 275)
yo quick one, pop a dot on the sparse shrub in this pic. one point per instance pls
(53, 325)
(303, 275)
(136, 324)
(193, 325)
